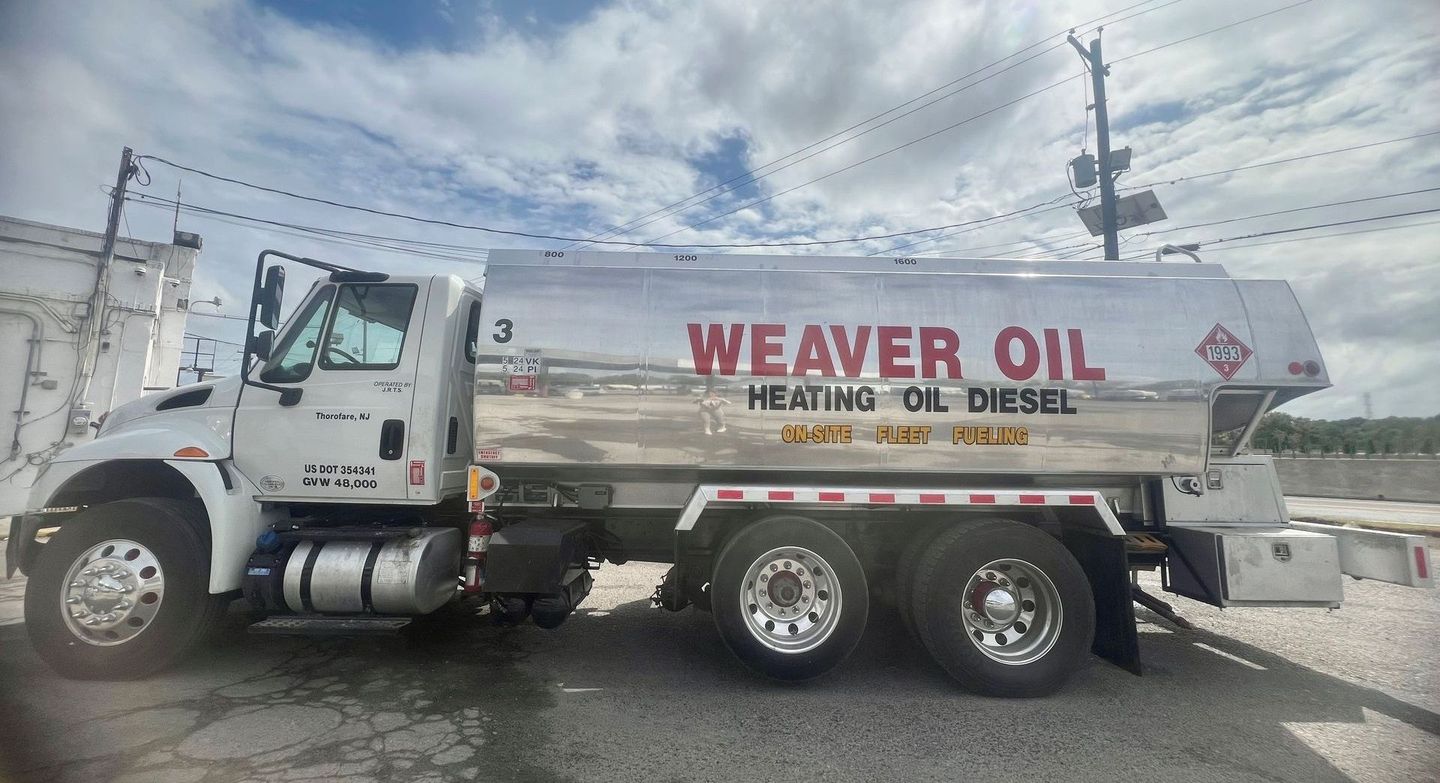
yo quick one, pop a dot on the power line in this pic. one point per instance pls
(652, 243)
(1009, 218)
(207, 211)
(962, 122)
(1286, 211)
(1208, 32)
(1333, 224)
(844, 169)
(630, 225)
(193, 336)
(315, 233)
(1278, 162)
(217, 315)
(1312, 227)
(1327, 236)
(1187, 178)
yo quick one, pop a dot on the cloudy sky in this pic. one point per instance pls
(572, 118)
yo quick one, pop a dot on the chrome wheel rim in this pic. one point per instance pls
(112, 592)
(791, 600)
(1011, 612)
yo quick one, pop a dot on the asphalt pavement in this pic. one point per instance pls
(624, 691)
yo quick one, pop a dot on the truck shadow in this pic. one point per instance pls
(629, 691)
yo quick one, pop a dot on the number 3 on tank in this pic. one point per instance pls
(505, 329)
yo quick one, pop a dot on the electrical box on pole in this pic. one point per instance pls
(1085, 172)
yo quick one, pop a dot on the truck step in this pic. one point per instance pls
(331, 626)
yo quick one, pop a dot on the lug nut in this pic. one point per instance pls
(787, 565)
(764, 577)
(774, 567)
(800, 571)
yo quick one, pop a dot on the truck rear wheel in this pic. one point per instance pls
(789, 597)
(1003, 608)
(121, 590)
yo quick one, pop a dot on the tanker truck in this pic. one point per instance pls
(991, 447)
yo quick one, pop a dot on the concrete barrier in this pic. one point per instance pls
(1411, 479)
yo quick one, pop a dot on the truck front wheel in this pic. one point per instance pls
(789, 597)
(121, 590)
(1003, 608)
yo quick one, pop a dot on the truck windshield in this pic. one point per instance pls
(294, 357)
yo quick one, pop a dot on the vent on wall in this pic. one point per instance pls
(187, 399)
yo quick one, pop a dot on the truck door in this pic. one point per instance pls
(352, 351)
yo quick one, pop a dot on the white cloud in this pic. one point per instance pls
(580, 127)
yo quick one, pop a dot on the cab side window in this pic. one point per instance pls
(368, 330)
(294, 358)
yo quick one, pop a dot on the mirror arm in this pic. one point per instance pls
(288, 395)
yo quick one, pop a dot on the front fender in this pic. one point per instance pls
(235, 518)
(158, 437)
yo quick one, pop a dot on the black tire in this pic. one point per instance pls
(940, 598)
(920, 540)
(187, 611)
(731, 612)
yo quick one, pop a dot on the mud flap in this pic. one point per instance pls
(1106, 565)
(20, 548)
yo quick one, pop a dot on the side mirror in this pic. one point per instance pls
(261, 344)
(271, 295)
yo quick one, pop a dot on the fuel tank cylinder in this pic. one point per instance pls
(396, 576)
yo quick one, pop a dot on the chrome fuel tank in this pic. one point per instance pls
(874, 364)
(409, 575)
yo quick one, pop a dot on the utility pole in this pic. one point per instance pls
(95, 325)
(1098, 72)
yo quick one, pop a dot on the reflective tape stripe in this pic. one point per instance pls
(1091, 501)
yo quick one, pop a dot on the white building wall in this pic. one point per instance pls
(47, 276)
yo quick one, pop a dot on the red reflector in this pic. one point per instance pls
(1033, 500)
(1422, 563)
(417, 472)
(982, 498)
(880, 497)
(1082, 500)
(776, 494)
(1296, 368)
(832, 497)
(729, 494)
(924, 498)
